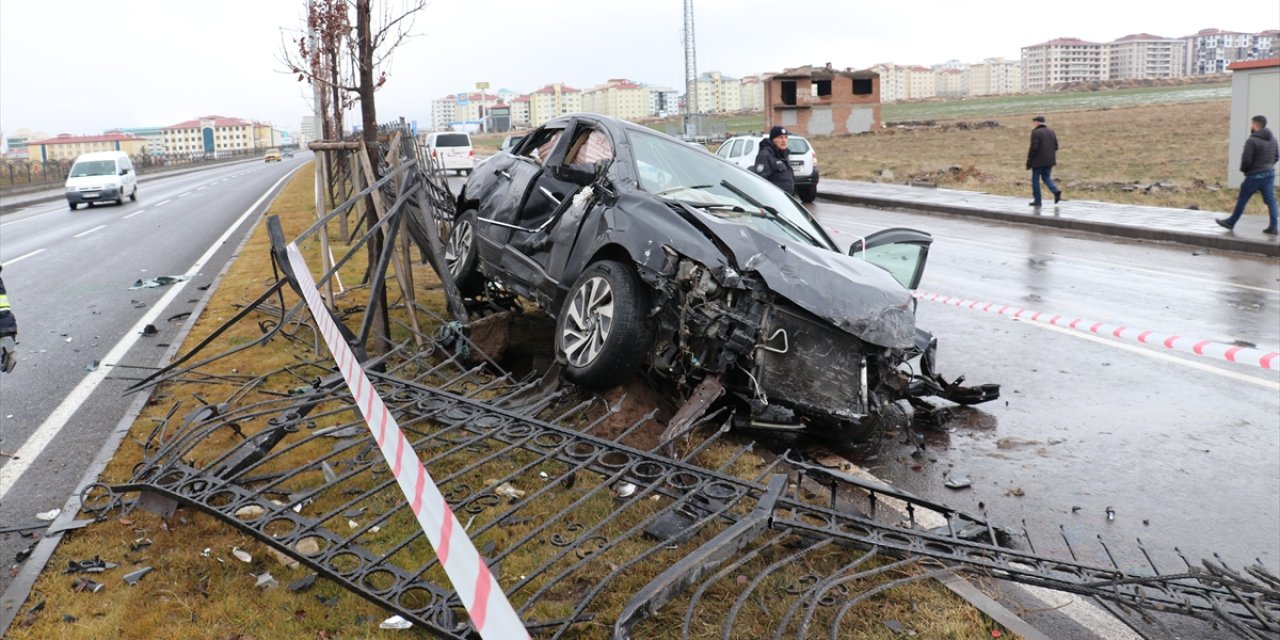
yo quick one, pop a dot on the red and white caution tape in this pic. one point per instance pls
(1207, 348)
(491, 613)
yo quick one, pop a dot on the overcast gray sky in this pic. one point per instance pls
(81, 66)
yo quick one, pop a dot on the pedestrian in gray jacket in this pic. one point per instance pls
(1258, 164)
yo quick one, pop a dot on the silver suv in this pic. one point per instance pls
(741, 150)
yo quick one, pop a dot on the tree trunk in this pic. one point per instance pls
(369, 124)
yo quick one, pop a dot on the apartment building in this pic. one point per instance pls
(520, 112)
(663, 101)
(1063, 60)
(993, 77)
(309, 130)
(153, 135)
(216, 134)
(618, 98)
(892, 81)
(67, 147)
(920, 83)
(1142, 56)
(752, 93)
(553, 100)
(949, 83)
(717, 93)
(458, 108)
(1210, 51)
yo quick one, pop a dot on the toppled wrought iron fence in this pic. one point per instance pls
(583, 532)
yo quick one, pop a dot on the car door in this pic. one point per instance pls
(500, 209)
(900, 251)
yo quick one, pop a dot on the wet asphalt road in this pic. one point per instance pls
(1185, 450)
(68, 274)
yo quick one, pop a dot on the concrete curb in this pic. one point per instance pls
(1224, 242)
(9, 208)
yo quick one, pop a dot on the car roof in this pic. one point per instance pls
(101, 155)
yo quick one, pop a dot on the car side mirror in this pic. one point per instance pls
(124, 171)
(579, 174)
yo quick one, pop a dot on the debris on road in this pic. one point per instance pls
(150, 330)
(959, 482)
(302, 584)
(241, 555)
(96, 565)
(80, 585)
(1111, 513)
(266, 581)
(48, 516)
(158, 281)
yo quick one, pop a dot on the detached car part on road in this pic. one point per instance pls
(657, 257)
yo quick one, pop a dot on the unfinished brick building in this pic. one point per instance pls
(821, 101)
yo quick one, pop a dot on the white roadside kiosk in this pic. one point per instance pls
(1255, 90)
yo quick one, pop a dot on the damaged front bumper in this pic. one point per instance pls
(787, 369)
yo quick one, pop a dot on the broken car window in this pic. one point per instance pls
(590, 149)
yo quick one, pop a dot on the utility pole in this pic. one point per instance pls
(690, 72)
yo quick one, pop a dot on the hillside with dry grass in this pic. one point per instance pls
(1172, 155)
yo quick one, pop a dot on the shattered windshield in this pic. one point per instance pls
(677, 171)
(93, 168)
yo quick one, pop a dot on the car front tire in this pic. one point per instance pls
(461, 256)
(72, 205)
(808, 193)
(601, 332)
(133, 196)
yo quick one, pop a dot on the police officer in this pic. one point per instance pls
(773, 163)
(8, 332)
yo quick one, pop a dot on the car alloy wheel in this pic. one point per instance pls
(590, 318)
(458, 246)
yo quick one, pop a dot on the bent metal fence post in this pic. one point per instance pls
(583, 533)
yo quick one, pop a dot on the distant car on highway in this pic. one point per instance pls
(509, 143)
(452, 150)
(287, 153)
(741, 150)
(272, 155)
(101, 176)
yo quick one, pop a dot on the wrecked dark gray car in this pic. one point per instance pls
(655, 257)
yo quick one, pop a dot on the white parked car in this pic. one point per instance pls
(741, 150)
(101, 176)
(453, 150)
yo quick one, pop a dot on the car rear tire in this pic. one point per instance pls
(601, 332)
(461, 256)
(808, 193)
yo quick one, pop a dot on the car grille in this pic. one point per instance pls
(821, 371)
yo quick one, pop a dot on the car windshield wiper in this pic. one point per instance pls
(683, 188)
(715, 205)
(774, 212)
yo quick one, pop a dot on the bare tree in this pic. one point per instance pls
(345, 65)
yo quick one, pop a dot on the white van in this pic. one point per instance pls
(452, 151)
(101, 176)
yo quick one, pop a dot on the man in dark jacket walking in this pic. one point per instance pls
(1258, 164)
(1041, 158)
(8, 332)
(773, 161)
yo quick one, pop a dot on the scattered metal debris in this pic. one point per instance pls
(395, 622)
(158, 281)
(80, 585)
(48, 516)
(133, 577)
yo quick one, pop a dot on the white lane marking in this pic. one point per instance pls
(9, 224)
(202, 188)
(10, 263)
(26, 454)
(85, 233)
(183, 195)
(1234, 375)
(1115, 265)
(133, 214)
(161, 204)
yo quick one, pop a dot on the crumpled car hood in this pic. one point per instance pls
(854, 295)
